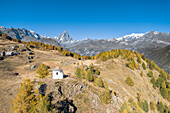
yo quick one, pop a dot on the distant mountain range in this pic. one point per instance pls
(143, 43)
(28, 35)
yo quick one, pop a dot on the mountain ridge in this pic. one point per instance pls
(139, 42)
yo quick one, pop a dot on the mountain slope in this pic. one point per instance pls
(28, 35)
(80, 94)
(161, 57)
(143, 43)
(64, 37)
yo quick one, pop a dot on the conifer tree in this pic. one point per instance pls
(42, 70)
(89, 76)
(150, 74)
(43, 105)
(97, 72)
(145, 106)
(99, 82)
(152, 106)
(22, 102)
(164, 91)
(91, 68)
(160, 107)
(143, 65)
(83, 73)
(129, 81)
(78, 72)
(105, 96)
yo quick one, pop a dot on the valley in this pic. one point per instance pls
(144, 43)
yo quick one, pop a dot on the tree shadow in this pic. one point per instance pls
(66, 106)
(63, 106)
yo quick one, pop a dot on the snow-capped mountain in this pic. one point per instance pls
(130, 37)
(143, 43)
(64, 37)
(28, 35)
(20, 33)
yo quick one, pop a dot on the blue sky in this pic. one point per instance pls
(96, 19)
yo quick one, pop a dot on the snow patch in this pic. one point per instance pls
(132, 36)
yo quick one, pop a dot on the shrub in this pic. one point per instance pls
(129, 81)
(42, 70)
(150, 74)
(99, 82)
(105, 96)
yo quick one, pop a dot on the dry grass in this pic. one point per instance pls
(114, 72)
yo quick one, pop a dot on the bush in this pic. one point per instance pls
(150, 74)
(42, 70)
(99, 82)
(105, 96)
(129, 81)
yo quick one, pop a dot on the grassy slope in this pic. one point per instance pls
(114, 72)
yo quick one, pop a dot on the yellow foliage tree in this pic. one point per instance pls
(24, 99)
(42, 70)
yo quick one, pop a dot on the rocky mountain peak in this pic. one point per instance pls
(64, 37)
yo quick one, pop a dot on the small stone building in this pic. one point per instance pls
(58, 73)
